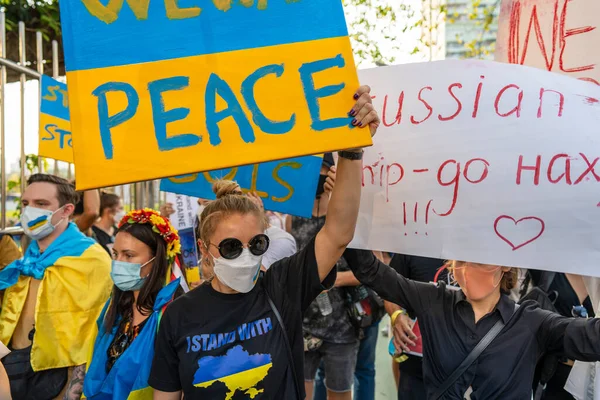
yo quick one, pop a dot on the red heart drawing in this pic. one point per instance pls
(518, 246)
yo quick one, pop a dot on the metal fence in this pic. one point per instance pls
(141, 194)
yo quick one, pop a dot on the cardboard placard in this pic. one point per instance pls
(556, 35)
(186, 209)
(55, 128)
(485, 162)
(162, 89)
(286, 186)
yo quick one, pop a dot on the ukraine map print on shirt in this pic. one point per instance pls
(237, 369)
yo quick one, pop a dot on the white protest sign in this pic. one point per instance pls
(556, 35)
(185, 210)
(485, 162)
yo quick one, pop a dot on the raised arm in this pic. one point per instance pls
(389, 285)
(342, 211)
(576, 338)
(91, 210)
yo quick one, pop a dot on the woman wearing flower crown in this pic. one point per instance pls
(146, 245)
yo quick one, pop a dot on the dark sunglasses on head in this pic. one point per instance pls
(232, 248)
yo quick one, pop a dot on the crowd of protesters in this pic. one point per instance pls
(95, 304)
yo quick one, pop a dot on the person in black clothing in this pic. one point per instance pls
(454, 321)
(570, 298)
(111, 213)
(420, 269)
(331, 339)
(240, 335)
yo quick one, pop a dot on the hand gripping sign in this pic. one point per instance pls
(485, 162)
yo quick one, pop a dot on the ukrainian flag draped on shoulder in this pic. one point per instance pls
(75, 283)
(128, 378)
(34, 263)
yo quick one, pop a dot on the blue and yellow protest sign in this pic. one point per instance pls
(286, 186)
(166, 88)
(55, 128)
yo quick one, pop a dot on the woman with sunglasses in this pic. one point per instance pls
(240, 335)
(145, 247)
(454, 321)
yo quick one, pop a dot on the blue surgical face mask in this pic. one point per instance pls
(126, 275)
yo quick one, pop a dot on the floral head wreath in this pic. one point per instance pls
(160, 225)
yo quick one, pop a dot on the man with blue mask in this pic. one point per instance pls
(53, 295)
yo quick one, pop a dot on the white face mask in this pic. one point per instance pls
(241, 273)
(37, 222)
(118, 217)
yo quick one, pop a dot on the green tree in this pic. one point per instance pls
(375, 26)
(38, 15)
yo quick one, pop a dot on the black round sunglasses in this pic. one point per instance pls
(232, 248)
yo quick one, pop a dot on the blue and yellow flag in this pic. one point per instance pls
(236, 369)
(75, 283)
(128, 378)
(286, 186)
(162, 89)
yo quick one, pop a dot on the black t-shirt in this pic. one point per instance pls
(421, 269)
(215, 346)
(103, 238)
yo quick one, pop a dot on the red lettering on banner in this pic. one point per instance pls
(484, 173)
(416, 212)
(454, 181)
(590, 80)
(412, 118)
(477, 98)
(566, 175)
(534, 22)
(561, 103)
(427, 212)
(547, 45)
(398, 113)
(459, 107)
(517, 108)
(589, 170)
(536, 169)
(400, 169)
(368, 168)
(564, 34)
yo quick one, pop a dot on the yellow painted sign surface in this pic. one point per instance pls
(158, 92)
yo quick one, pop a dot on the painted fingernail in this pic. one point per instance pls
(352, 113)
(354, 121)
(356, 96)
(360, 124)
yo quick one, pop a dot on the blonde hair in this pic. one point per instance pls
(230, 200)
(508, 282)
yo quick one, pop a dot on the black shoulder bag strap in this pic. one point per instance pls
(546, 280)
(288, 345)
(473, 355)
